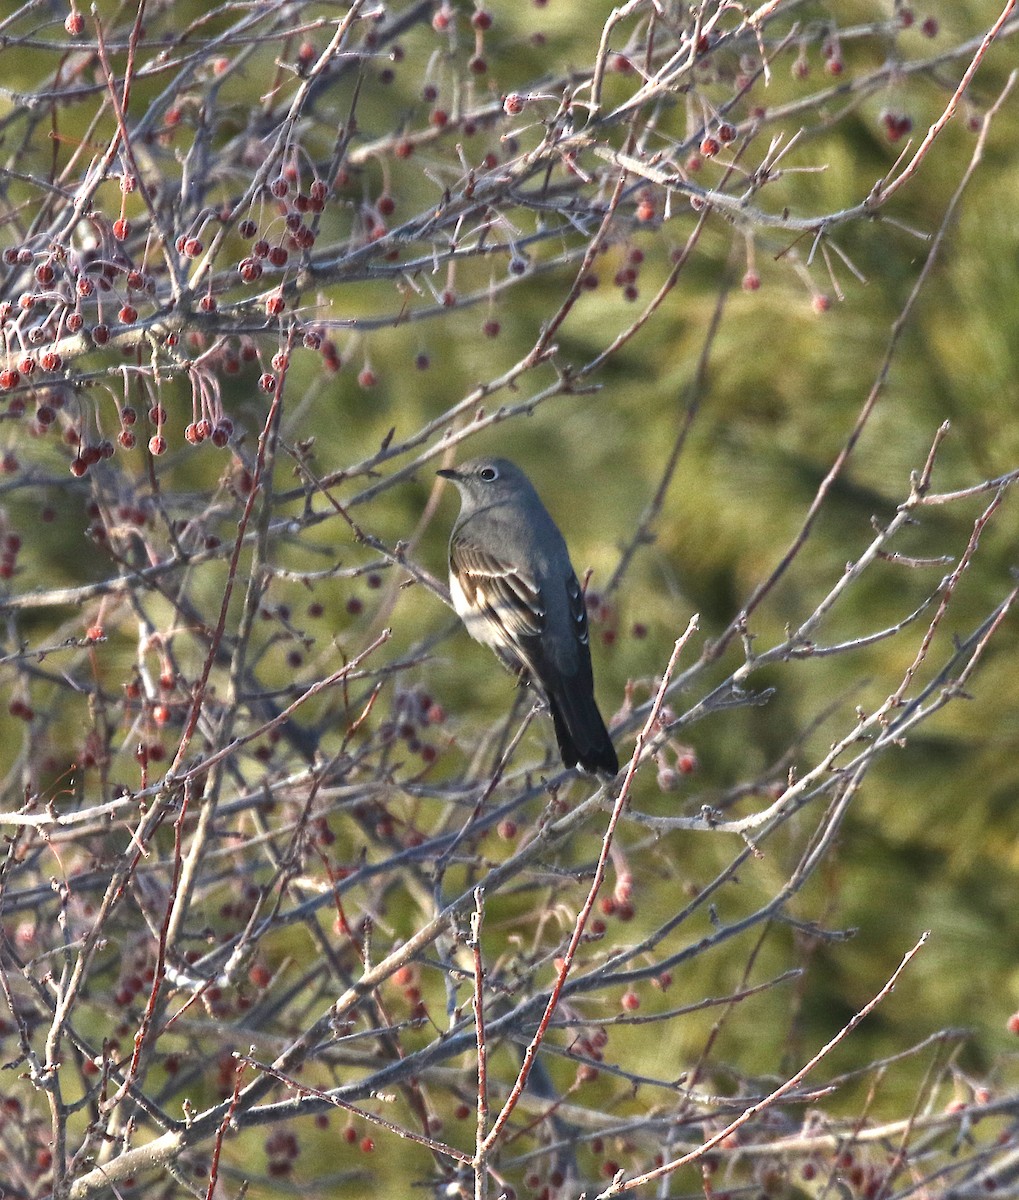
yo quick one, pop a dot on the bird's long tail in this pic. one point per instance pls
(580, 730)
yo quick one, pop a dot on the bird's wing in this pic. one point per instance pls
(505, 595)
(578, 609)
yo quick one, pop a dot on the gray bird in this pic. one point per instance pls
(515, 589)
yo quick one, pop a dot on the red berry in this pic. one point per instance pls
(122, 229)
(157, 444)
(481, 19)
(275, 305)
(128, 314)
(221, 434)
(710, 147)
(367, 378)
(74, 23)
(9, 378)
(896, 125)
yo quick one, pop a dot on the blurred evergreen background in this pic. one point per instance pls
(931, 841)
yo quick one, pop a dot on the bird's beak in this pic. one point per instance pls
(448, 473)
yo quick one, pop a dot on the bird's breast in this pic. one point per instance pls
(478, 626)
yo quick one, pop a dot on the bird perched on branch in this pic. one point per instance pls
(515, 589)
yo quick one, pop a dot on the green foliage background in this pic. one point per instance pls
(931, 841)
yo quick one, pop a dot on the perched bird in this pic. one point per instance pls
(515, 589)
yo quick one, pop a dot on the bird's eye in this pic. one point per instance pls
(488, 474)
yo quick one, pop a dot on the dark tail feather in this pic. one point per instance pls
(580, 731)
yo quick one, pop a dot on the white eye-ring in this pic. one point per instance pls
(488, 474)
